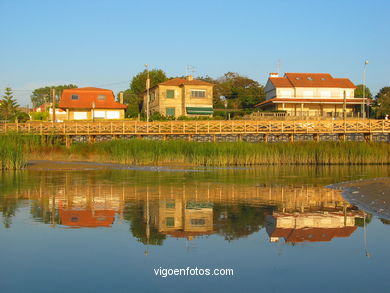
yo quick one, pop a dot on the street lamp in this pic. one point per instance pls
(147, 92)
(364, 90)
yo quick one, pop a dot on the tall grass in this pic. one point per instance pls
(15, 150)
(141, 152)
(11, 153)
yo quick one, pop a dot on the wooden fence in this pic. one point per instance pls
(199, 127)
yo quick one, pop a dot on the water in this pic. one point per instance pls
(278, 229)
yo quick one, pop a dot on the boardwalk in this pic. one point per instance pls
(198, 127)
(206, 128)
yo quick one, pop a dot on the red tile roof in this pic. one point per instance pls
(88, 96)
(311, 80)
(87, 218)
(304, 100)
(312, 234)
(183, 81)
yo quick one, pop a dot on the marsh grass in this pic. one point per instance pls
(15, 150)
(143, 152)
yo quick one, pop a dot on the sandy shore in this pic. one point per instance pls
(372, 196)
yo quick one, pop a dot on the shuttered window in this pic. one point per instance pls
(170, 94)
(198, 93)
(170, 112)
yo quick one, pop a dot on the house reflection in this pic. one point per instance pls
(311, 226)
(179, 218)
(156, 211)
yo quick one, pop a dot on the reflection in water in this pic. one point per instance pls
(154, 211)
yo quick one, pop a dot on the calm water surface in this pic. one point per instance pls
(279, 229)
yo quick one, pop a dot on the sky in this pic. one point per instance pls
(105, 43)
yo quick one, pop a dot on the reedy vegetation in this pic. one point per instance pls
(141, 152)
(15, 150)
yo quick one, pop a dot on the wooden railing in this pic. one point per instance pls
(197, 127)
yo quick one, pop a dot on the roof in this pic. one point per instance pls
(182, 81)
(312, 234)
(87, 218)
(87, 97)
(312, 101)
(312, 80)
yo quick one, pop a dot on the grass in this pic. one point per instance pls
(16, 150)
(144, 152)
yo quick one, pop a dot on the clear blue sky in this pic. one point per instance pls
(104, 43)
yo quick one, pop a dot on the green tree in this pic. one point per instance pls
(240, 91)
(359, 92)
(8, 105)
(138, 86)
(43, 95)
(133, 103)
(382, 102)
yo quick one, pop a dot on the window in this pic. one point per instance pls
(285, 93)
(325, 94)
(198, 222)
(75, 97)
(308, 93)
(101, 97)
(74, 219)
(170, 205)
(99, 114)
(170, 94)
(309, 78)
(323, 78)
(170, 221)
(198, 93)
(297, 78)
(170, 112)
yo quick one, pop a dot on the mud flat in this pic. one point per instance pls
(372, 196)
(51, 165)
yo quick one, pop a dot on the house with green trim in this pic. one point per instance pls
(181, 97)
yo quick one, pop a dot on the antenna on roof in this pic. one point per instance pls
(190, 70)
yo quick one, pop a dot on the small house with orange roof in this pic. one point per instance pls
(90, 103)
(181, 97)
(310, 94)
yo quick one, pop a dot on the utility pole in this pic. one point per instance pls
(345, 105)
(53, 94)
(147, 92)
(364, 90)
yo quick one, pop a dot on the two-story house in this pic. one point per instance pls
(310, 94)
(181, 97)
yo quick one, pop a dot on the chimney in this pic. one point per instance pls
(189, 77)
(121, 97)
(274, 74)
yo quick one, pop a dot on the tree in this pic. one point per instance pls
(43, 95)
(132, 102)
(359, 92)
(382, 103)
(240, 91)
(138, 86)
(8, 105)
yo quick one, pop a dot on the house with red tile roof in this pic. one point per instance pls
(181, 97)
(317, 226)
(90, 103)
(310, 94)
